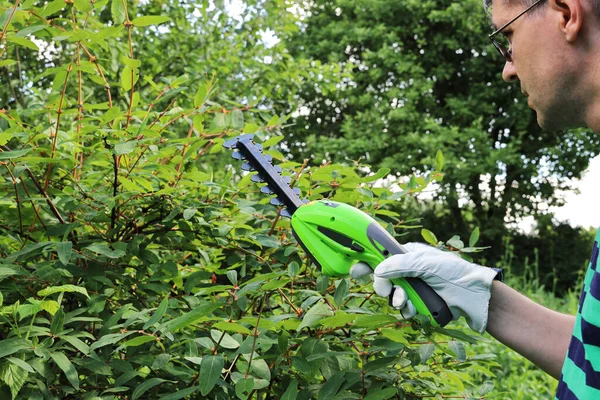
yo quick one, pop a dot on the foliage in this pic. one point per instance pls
(421, 76)
(137, 264)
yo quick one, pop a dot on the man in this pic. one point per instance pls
(552, 49)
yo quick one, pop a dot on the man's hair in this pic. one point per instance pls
(488, 4)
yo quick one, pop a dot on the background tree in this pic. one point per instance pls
(422, 77)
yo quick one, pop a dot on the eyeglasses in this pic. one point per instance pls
(506, 51)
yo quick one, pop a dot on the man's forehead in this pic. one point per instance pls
(501, 11)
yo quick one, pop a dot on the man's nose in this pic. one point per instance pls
(509, 73)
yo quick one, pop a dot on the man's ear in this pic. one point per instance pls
(570, 14)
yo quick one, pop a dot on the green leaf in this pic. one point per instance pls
(150, 20)
(125, 147)
(23, 42)
(65, 365)
(158, 314)
(117, 10)
(474, 238)
(267, 241)
(332, 386)
(5, 272)
(243, 387)
(104, 250)
(340, 318)
(210, 371)
(83, 5)
(315, 314)
(109, 339)
(6, 63)
(161, 361)
(13, 345)
(14, 377)
(138, 341)
(180, 394)
(341, 292)
(131, 62)
(190, 317)
(232, 327)
(224, 339)
(21, 363)
(58, 321)
(199, 123)
(7, 155)
(374, 321)
(455, 242)
(381, 394)
(458, 349)
(382, 173)
(292, 391)
(53, 7)
(439, 161)
(275, 284)
(129, 78)
(64, 252)
(380, 363)
(77, 343)
(50, 306)
(272, 141)
(237, 119)
(251, 128)
(426, 351)
(189, 213)
(201, 95)
(61, 289)
(487, 387)
(30, 29)
(429, 237)
(395, 335)
(144, 386)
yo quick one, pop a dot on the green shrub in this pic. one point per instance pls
(137, 264)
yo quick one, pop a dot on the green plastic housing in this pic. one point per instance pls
(337, 236)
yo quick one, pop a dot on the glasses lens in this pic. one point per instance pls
(503, 46)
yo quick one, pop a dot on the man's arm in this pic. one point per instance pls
(538, 333)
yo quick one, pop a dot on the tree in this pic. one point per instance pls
(422, 76)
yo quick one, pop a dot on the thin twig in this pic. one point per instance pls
(3, 34)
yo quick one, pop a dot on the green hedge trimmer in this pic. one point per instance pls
(335, 235)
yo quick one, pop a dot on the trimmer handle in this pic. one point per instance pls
(424, 298)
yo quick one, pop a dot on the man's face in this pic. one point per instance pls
(540, 63)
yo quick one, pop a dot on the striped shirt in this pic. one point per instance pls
(580, 378)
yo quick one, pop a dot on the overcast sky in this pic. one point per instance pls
(583, 209)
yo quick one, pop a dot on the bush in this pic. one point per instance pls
(137, 264)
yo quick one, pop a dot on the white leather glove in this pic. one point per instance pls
(464, 286)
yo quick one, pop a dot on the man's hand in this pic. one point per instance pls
(464, 286)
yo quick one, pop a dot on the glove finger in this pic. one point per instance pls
(360, 270)
(409, 310)
(383, 287)
(398, 298)
(400, 266)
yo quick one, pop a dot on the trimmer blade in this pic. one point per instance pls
(257, 178)
(249, 151)
(247, 167)
(266, 190)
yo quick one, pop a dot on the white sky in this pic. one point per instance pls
(583, 209)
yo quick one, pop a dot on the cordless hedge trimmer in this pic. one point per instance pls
(335, 235)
